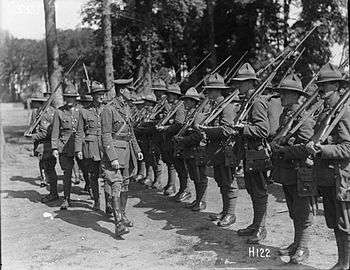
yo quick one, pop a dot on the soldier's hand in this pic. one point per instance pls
(115, 164)
(179, 138)
(160, 128)
(80, 155)
(140, 156)
(310, 148)
(201, 127)
(55, 153)
(27, 135)
(318, 147)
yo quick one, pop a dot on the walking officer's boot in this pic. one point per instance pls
(248, 231)
(109, 209)
(120, 227)
(123, 200)
(169, 189)
(200, 203)
(260, 233)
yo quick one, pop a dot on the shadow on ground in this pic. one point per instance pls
(229, 249)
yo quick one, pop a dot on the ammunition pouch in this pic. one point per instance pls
(306, 185)
(258, 160)
(201, 156)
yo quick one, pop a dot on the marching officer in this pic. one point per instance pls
(64, 128)
(224, 162)
(88, 144)
(286, 165)
(253, 136)
(121, 152)
(42, 148)
(173, 94)
(332, 166)
(189, 149)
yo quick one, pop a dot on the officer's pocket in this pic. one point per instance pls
(122, 149)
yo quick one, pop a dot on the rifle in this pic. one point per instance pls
(332, 119)
(219, 108)
(170, 114)
(48, 102)
(286, 51)
(215, 70)
(156, 110)
(291, 68)
(192, 117)
(87, 80)
(234, 68)
(194, 69)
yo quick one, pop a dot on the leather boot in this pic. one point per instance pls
(120, 227)
(288, 251)
(109, 209)
(123, 200)
(199, 207)
(300, 255)
(66, 203)
(248, 231)
(257, 236)
(183, 196)
(347, 250)
(170, 187)
(339, 240)
(219, 216)
(50, 198)
(200, 197)
(230, 217)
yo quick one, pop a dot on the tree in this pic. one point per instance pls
(53, 67)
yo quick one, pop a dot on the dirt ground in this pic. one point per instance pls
(165, 236)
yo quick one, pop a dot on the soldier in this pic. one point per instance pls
(253, 136)
(121, 152)
(331, 165)
(189, 149)
(146, 132)
(223, 161)
(88, 144)
(286, 165)
(167, 151)
(42, 148)
(65, 124)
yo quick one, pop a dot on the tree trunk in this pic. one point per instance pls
(108, 48)
(210, 10)
(53, 67)
(286, 5)
(148, 66)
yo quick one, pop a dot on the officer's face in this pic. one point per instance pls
(70, 101)
(289, 98)
(189, 103)
(245, 86)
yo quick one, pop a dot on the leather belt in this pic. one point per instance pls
(122, 137)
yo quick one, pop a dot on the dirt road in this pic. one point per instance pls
(165, 236)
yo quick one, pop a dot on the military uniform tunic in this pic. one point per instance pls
(65, 125)
(119, 143)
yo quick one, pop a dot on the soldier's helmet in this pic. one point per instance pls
(215, 81)
(97, 87)
(174, 89)
(291, 83)
(70, 90)
(84, 98)
(150, 97)
(330, 73)
(245, 72)
(158, 85)
(192, 93)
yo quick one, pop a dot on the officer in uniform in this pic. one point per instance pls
(287, 163)
(253, 136)
(173, 93)
(332, 166)
(188, 148)
(64, 128)
(42, 148)
(145, 132)
(88, 144)
(121, 152)
(223, 161)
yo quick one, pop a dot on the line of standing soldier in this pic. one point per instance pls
(110, 132)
